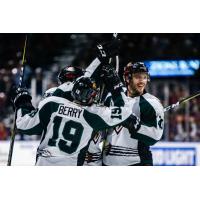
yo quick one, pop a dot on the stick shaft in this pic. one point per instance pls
(13, 131)
(190, 97)
(12, 140)
(23, 61)
(184, 100)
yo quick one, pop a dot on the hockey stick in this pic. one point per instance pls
(184, 100)
(12, 137)
(117, 57)
(117, 69)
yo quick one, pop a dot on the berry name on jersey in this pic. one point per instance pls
(66, 111)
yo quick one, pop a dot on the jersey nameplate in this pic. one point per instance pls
(69, 111)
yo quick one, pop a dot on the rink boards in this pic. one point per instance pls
(164, 153)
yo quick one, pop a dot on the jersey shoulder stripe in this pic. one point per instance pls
(154, 101)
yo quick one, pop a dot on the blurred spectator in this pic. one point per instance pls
(2, 103)
(181, 134)
(193, 129)
(3, 131)
(2, 83)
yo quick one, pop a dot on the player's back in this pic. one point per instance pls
(66, 136)
(69, 128)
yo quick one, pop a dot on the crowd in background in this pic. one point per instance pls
(8, 78)
(183, 122)
(48, 53)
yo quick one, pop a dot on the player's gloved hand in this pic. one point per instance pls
(21, 98)
(108, 50)
(111, 79)
(133, 124)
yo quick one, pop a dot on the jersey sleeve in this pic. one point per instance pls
(91, 69)
(117, 100)
(100, 118)
(152, 121)
(34, 122)
(29, 123)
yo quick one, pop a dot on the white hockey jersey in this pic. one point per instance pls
(67, 128)
(49, 92)
(124, 149)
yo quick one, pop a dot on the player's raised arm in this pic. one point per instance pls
(104, 53)
(113, 84)
(70, 73)
(28, 118)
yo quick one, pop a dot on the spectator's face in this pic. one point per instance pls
(138, 83)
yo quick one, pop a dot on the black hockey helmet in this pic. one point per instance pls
(132, 68)
(69, 73)
(84, 91)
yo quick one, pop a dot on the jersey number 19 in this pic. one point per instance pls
(71, 132)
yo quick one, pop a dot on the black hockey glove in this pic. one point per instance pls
(133, 124)
(108, 50)
(111, 79)
(21, 98)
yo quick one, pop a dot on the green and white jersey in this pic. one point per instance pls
(64, 91)
(67, 128)
(49, 92)
(92, 68)
(94, 153)
(124, 149)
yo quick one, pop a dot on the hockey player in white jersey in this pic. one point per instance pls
(67, 127)
(67, 75)
(123, 147)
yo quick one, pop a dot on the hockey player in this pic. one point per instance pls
(67, 74)
(67, 127)
(121, 146)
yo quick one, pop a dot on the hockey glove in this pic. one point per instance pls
(21, 98)
(108, 50)
(133, 124)
(111, 79)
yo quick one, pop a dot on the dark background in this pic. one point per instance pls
(43, 48)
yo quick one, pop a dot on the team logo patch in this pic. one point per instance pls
(118, 129)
